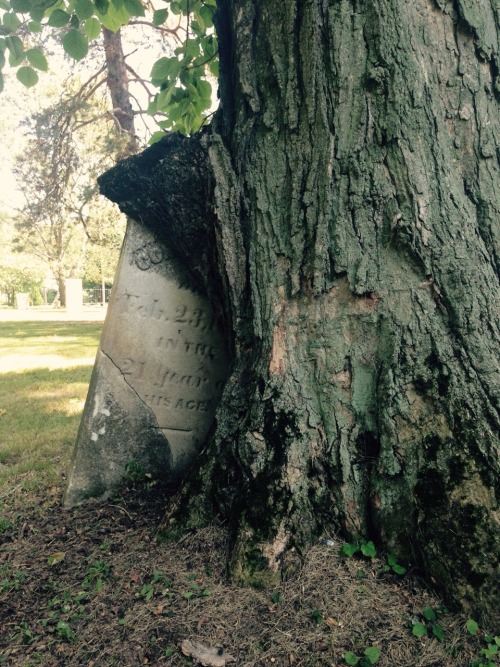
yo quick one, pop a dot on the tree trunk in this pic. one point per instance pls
(354, 259)
(61, 288)
(118, 87)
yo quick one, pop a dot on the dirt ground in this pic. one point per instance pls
(93, 587)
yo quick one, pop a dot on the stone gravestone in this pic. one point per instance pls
(158, 376)
(74, 297)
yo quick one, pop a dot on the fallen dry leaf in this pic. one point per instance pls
(208, 656)
(56, 557)
(201, 621)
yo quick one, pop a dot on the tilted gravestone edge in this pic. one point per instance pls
(153, 391)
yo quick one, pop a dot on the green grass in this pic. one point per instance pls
(69, 340)
(41, 397)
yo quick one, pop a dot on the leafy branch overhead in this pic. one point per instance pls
(182, 92)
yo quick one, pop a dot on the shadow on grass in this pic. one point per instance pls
(66, 340)
(41, 329)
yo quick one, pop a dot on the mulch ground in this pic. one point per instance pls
(92, 587)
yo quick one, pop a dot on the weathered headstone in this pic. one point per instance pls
(74, 296)
(158, 375)
(22, 300)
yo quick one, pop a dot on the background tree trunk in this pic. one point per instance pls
(353, 165)
(118, 86)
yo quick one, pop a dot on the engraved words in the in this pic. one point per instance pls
(179, 371)
(151, 309)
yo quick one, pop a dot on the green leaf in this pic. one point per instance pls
(204, 89)
(419, 630)
(35, 26)
(349, 549)
(22, 6)
(175, 8)
(316, 615)
(368, 549)
(209, 46)
(155, 137)
(2, 59)
(351, 658)
(165, 68)
(84, 9)
(134, 7)
(192, 48)
(11, 22)
(437, 631)
(160, 16)
(1, 82)
(37, 13)
(399, 569)
(75, 21)
(92, 28)
(472, 627)
(75, 44)
(37, 59)
(59, 18)
(16, 48)
(207, 15)
(102, 6)
(214, 68)
(372, 653)
(429, 614)
(4, 5)
(114, 17)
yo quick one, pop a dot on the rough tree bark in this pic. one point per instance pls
(348, 231)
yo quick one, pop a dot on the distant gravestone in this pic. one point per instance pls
(74, 296)
(22, 300)
(157, 379)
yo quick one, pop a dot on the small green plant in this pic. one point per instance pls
(10, 581)
(195, 591)
(5, 525)
(149, 589)
(134, 473)
(65, 632)
(490, 646)
(98, 572)
(392, 565)
(317, 616)
(363, 548)
(23, 633)
(370, 656)
(427, 623)
(168, 652)
(276, 597)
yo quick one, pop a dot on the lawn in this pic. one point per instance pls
(45, 369)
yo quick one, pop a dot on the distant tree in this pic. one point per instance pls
(15, 280)
(56, 173)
